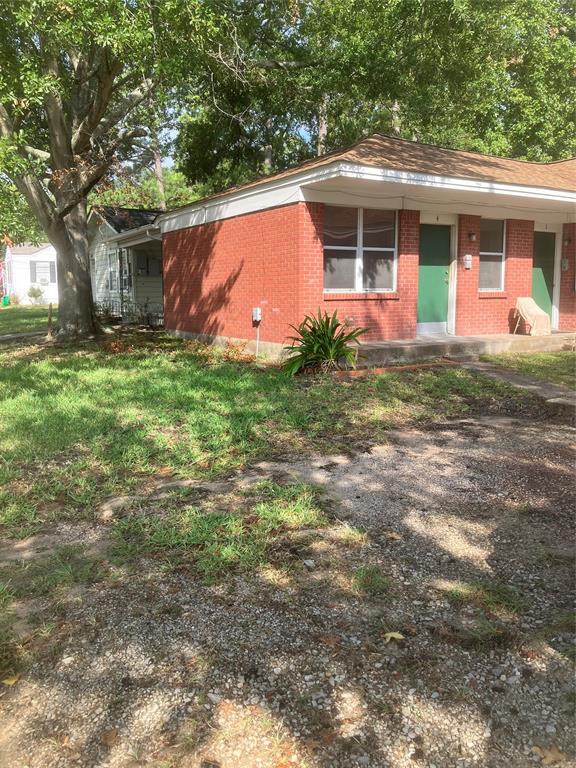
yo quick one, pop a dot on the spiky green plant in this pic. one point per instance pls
(322, 343)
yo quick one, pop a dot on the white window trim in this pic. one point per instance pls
(113, 269)
(359, 258)
(502, 255)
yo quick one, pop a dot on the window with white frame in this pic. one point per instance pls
(359, 249)
(42, 272)
(492, 254)
(112, 279)
(125, 269)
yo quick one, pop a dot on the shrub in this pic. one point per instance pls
(322, 343)
(35, 293)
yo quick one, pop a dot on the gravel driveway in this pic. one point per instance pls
(457, 655)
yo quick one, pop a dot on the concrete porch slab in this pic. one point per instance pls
(375, 353)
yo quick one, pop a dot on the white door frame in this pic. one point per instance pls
(449, 220)
(556, 229)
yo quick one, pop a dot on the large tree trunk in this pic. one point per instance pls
(69, 236)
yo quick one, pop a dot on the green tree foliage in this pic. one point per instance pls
(496, 76)
(78, 84)
(141, 190)
(16, 223)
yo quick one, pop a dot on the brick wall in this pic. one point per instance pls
(214, 275)
(567, 294)
(484, 312)
(386, 315)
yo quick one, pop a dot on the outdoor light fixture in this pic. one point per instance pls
(472, 237)
(567, 242)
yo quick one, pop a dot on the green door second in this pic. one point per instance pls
(543, 270)
(433, 278)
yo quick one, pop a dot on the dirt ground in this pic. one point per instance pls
(428, 625)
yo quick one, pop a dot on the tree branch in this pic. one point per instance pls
(285, 65)
(29, 186)
(40, 154)
(127, 105)
(77, 182)
(59, 135)
(106, 73)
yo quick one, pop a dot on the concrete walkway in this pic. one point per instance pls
(553, 395)
(377, 353)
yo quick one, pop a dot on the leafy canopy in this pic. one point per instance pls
(498, 77)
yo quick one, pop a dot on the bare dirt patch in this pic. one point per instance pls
(460, 657)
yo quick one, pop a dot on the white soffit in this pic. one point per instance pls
(336, 183)
(137, 236)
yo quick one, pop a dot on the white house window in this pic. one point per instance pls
(492, 256)
(125, 270)
(112, 279)
(42, 272)
(359, 249)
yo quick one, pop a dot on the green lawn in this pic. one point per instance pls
(19, 319)
(556, 367)
(83, 423)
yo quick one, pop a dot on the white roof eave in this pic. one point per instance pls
(291, 189)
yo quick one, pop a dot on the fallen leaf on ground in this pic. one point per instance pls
(392, 536)
(11, 680)
(109, 738)
(393, 636)
(549, 755)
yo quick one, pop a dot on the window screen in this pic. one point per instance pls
(491, 277)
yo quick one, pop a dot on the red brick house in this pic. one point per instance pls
(403, 238)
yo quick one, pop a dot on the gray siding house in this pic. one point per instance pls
(126, 261)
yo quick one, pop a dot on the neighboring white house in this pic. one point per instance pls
(125, 260)
(31, 267)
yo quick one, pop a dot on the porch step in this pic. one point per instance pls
(458, 347)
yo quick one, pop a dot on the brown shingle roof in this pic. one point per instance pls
(390, 152)
(398, 154)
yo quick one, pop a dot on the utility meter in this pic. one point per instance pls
(467, 261)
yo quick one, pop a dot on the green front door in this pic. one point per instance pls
(543, 270)
(433, 274)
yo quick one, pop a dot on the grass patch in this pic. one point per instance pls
(81, 423)
(13, 654)
(23, 319)
(559, 631)
(555, 367)
(220, 542)
(489, 595)
(351, 535)
(370, 580)
(66, 567)
(482, 634)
